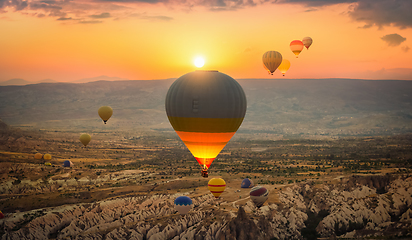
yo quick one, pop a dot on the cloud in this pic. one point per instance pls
(393, 39)
(64, 18)
(383, 12)
(371, 12)
(160, 18)
(405, 49)
(90, 22)
(102, 15)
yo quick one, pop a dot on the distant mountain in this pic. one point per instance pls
(290, 107)
(14, 81)
(48, 80)
(99, 78)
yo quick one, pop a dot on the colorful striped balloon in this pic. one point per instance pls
(216, 186)
(296, 46)
(259, 195)
(183, 204)
(205, 108)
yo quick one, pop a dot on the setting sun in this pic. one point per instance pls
(199, 62)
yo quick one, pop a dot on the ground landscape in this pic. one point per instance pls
(335, 156)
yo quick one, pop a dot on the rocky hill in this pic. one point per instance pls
(304, 211)
(291, 107)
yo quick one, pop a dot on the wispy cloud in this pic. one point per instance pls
(102, 15)
(378, 13)
(393, 39)
(405, 49)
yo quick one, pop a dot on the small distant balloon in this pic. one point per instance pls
(259, 195)
(38, 156)
(47, 156)
(1, 215)
(183, 204)
(47, 164)
(68, 163)
(284, 66)
(307, 41)
(271, 60)
(246, 183)
(216, 186)
(85, 139)
(296, 46)
(105, 113)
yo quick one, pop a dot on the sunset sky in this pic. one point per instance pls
(155, 39)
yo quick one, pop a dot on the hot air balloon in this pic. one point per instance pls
(307, 41)
(296, 46)
(38, 156)
(216, 186)
(259, 195)
(1, 215)
(85, 139)
(68, 163)
(284, 66)
(47, 156)
(271, 60)
(183, 204)
(246, 183)
(105, 113)
(205, 109)
(47, 164)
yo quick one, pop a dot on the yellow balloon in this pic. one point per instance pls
(105, 113)
(47, 156)
(85, 139)
(47, 164)
(216, 186)
(284, 66)
(271, 60)
(38, 156)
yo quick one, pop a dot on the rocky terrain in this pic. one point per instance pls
(354, 207)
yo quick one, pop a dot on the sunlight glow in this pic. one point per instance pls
(199, 62)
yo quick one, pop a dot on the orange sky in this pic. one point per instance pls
(143, 40)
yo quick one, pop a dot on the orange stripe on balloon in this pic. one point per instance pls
(217, 185)
(205, 137)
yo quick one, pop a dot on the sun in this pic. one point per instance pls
(199, 62)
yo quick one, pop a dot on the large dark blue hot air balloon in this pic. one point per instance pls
(246, 183)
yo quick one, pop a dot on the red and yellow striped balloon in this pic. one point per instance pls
(296, 46)
(205, 109)
(216, 186)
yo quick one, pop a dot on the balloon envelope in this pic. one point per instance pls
(1, 215)
(183, 204)
(216, 186)
(47, 164)
(307, 41)
(205, 109)
(259, 195)
(85, 139)
(271, 60)
(284, 66)
(68, 163)
(38, 156)
(47, 156)
(105, 113)
(296, 46)
(246, 183)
